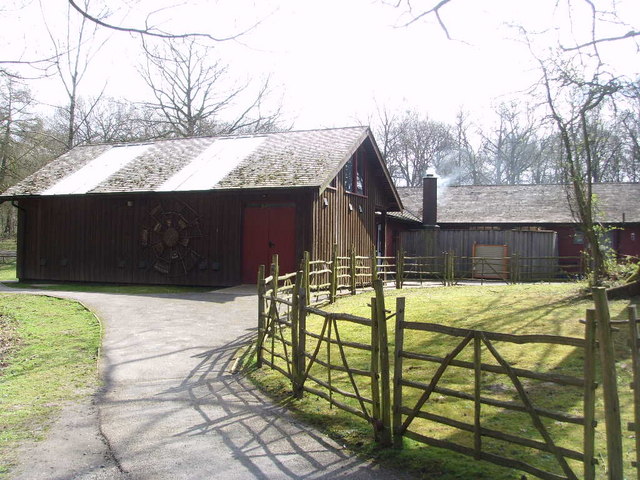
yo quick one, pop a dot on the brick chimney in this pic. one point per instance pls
(429, 200)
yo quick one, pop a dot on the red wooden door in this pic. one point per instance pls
(266, 231)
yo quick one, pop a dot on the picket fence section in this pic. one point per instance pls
(312, 358)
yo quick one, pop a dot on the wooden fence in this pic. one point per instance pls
(313, 358)
(405, 415)
(288, 346)
(345, 275)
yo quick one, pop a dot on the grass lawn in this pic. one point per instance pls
(521, 309)
(48, 356)
(8, 244)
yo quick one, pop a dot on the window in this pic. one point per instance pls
(353, 174)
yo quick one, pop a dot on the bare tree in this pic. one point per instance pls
(111, 120)
(195, 95)
(512, 146)
(414, 143)
(573, 101)
(149, 30)
(73, 56)
(468, 166)
(23, 142)
(601, 14)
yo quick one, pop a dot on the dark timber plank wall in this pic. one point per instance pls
(99, 238)
(337, 223)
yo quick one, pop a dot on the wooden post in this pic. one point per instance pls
(374, 264)
(589, 404)
(635, 358)
(296, 352)
(302, 335)
(385, 384)
(609, 385)
(477, 367)
(375, 371)
(275, 272)
(399, 269)
(261, 314)
(397, 373)
(353, 270)
(333, 288)
(306, 258)
(445, 265)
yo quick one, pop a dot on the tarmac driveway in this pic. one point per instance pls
(171, 408)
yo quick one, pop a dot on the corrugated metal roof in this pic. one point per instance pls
(524, 204)
(290, 159)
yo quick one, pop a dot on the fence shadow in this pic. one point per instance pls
(262, 436)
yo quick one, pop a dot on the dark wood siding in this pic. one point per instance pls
(347, 218)
(100, 238)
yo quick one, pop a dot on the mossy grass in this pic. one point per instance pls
(553, 309)
(51, 358)
(8, 244)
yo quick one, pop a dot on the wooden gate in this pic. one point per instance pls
(405, 415)
(311, 360)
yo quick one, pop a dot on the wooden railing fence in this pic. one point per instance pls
(288, 346)
(344, 275)
(405, 415)
(313, 359)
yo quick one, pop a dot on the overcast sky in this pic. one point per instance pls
(331, 61)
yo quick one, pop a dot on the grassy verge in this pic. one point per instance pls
(49, 357)
(8, 272)
(8, 244)
(520, 309)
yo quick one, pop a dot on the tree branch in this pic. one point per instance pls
(155, 33)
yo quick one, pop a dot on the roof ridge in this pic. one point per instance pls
(228, 135)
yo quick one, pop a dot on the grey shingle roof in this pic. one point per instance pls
(289, 159)
(524, 204)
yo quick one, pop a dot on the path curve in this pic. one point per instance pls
(170, 407)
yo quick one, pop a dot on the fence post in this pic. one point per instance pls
(399, 268)
(452, 269)
(295, 343)
(385, 383)
(589, 402)
(477, 404)
(275, 272)
(635, 358)
(306, 269)
(609, 385)
(374, 264)
(352, 269)
(397, 373)
(261, 315)
(302, 335)
(333, 287)
(375, 371)
(445, 267)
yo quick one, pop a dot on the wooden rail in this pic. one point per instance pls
(404, 416)
(312, 360)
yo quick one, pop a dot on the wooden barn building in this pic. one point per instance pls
(201, 211)
(542, 208)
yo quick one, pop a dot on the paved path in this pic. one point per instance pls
(171, 409)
